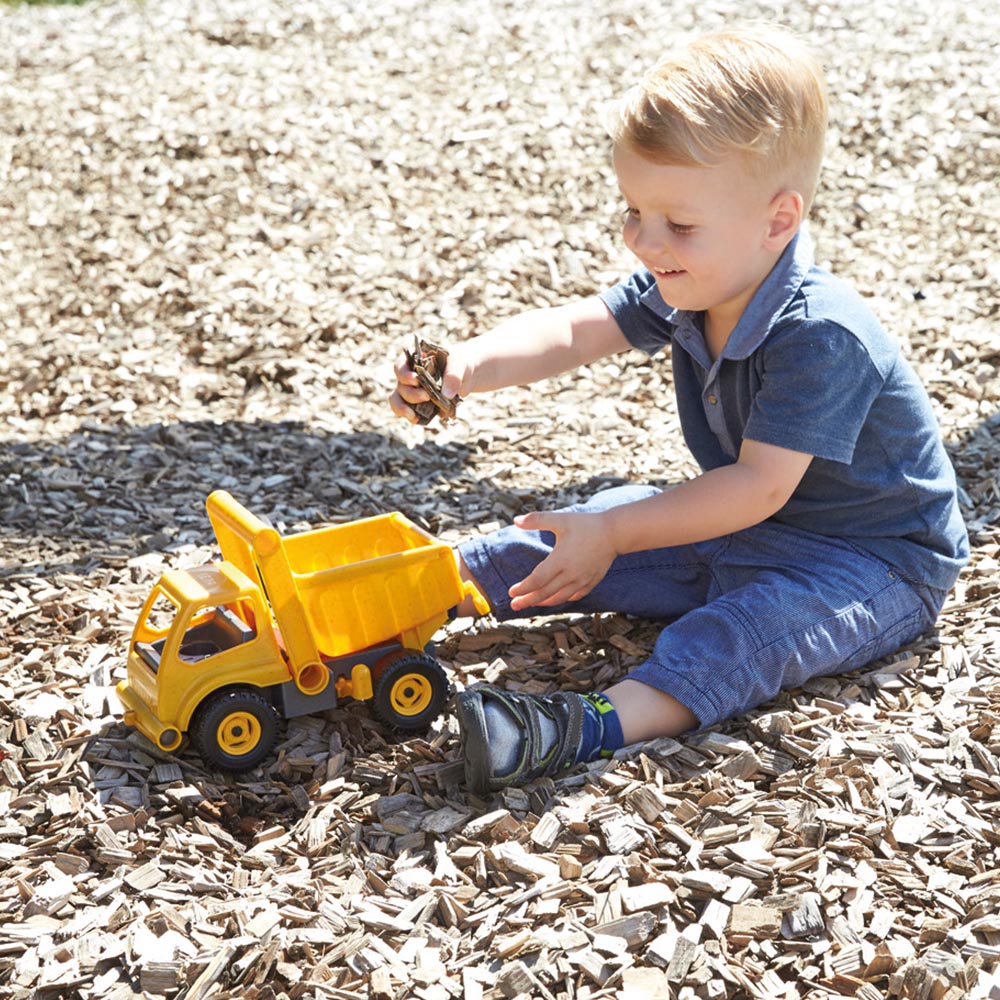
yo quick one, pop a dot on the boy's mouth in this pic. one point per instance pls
(666, 272)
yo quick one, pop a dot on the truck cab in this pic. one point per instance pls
(199, 630)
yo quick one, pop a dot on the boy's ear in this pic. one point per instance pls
(784, 219)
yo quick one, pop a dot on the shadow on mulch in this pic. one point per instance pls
(104, 495)
(241, 803)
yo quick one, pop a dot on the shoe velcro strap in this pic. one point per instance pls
(565, 711)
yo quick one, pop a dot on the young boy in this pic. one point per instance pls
(823, 531)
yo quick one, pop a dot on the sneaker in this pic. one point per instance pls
(545, 731)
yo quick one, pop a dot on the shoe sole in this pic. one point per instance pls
(472, 720)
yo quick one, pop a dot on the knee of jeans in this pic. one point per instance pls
(615, 496)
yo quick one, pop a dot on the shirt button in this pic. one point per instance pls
(712, 399)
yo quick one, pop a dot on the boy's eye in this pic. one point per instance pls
(677, 228)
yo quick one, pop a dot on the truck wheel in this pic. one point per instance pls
(235, 730)
(410, 690)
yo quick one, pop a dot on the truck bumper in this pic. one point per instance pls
(138, 714)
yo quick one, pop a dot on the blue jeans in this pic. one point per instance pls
(750, 613)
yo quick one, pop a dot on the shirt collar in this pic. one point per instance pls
(762, 312)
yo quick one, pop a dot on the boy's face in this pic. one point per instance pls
(705, 233)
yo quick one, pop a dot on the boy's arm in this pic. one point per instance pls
(713, 504)
(527, 348)
(716, 503)
(542, 343)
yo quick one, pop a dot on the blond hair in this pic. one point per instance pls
(754, 92)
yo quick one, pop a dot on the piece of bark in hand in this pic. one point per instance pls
(427, 361)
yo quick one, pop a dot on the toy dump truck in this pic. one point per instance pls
(286, 626)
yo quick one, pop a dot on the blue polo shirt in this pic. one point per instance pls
(808, 367)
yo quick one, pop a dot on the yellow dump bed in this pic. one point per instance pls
(334, 591)
(371, 580)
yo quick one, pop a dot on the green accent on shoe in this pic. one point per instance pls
(565, 712)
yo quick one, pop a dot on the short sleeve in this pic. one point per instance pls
(640, 312)
(818, 383)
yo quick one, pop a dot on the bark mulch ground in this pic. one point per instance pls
(221, 221)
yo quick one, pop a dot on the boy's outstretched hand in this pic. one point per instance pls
(582, 555)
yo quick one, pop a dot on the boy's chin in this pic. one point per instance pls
(676, 299)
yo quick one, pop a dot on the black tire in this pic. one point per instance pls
(235, 730)
(410, 690)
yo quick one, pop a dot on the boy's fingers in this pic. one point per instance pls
(404, 373)
(538, 521)
(399, 406)
(528, 587)
(543, 598)
(411, 393)
(539, 587)
(406, 393)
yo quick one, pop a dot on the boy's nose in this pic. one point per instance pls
(648, 239)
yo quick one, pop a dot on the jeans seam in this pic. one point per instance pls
(737, 612)
(651, 565)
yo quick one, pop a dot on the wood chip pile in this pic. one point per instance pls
(221, 222)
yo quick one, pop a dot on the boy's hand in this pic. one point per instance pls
(408, 391)
(582, 555)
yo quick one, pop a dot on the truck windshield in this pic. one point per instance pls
(161, 614)
(155, 626)
(211, 631)
(208, 630)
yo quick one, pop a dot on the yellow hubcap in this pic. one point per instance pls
(411, 694)
(238, 733)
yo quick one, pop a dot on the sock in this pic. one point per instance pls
(602, 732)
